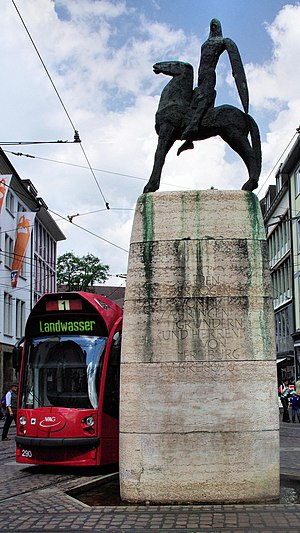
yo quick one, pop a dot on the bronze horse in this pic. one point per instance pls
(174, 114)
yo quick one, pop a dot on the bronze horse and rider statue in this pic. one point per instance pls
(189, 114)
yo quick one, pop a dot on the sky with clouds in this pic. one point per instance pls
(99, 55)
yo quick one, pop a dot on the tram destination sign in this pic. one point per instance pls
(65, 325)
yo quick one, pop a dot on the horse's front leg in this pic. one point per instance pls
(166, 140)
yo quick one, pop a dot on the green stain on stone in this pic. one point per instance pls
(183, 214)
(147, 219)
(198, 211)
(196, 341)
(147, 202)
(186, 223)
(254, 214)
(148, 242)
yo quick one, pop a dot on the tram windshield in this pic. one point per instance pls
(63, 371)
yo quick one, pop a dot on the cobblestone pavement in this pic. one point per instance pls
(35, 499)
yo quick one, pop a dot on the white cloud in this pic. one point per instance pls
(275, 87)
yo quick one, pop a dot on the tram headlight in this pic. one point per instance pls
(22, 420)
(89, 420)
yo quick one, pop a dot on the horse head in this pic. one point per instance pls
(172, 68)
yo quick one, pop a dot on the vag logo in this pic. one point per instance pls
(52, 423)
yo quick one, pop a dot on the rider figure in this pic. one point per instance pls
(205, 94)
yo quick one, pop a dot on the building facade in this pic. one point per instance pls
(28, 244)
(281, 211)
(292, 168)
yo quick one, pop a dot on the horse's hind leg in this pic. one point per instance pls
(242, 146)
(253, 167)
(166, 140)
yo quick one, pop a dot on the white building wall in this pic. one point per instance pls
(13, 299)
(14, 302)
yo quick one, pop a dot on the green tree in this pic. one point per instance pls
(80, 273)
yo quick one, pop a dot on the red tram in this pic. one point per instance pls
(68, 410)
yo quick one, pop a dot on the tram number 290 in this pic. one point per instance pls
(26, 453)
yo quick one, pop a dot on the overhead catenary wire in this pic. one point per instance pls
(76, 134)
(10, 143)
(105, 171)
(145, 179)
(45, 68)
(70, 217)
(115, 289)
(24, 287)
(19, 154)
(88, 231)
(76, 131)
(61, 217)
(27, 289)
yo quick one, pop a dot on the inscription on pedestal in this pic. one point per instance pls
(209, 328)
(217, 340)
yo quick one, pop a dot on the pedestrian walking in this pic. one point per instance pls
(11, 409)
(284, 397)
(295, 407)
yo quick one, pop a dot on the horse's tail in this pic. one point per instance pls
(255, 141)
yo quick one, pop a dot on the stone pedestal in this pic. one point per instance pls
(199, 407)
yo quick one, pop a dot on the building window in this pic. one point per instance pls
(40, 248)
(21, 209)
(44, 260)
(10, 202)
(36, 236)
(284, 342)
(281, 282)
(278, 183)
(298, 235)
(23, 269)
(20, 318)
(7, 314)
(297, 181)
(8, 250)
(279, 242)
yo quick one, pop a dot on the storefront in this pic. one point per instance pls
(286, 368)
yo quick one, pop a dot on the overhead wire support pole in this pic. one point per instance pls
(76, 134)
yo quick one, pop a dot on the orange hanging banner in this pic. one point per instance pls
(25, 222)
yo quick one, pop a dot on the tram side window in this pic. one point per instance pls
(112, 382)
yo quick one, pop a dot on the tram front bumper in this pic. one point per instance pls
(57, 442)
